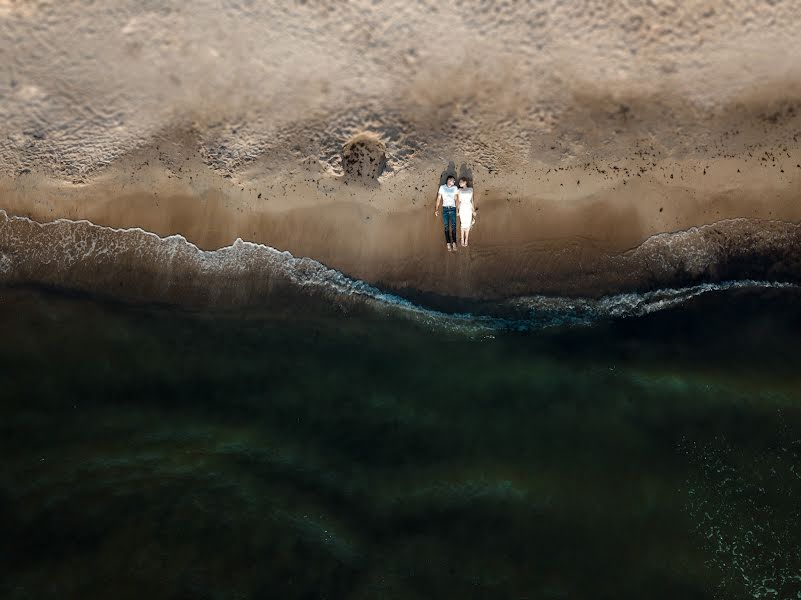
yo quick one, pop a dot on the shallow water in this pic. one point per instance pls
(308, 453)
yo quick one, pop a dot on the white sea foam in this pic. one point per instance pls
(735, 499)
(5, 263)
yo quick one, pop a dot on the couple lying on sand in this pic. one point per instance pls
(455, 200)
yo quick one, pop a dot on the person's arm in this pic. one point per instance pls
(439, 201)
(474, 203)
(456, 198)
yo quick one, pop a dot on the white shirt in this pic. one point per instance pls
(448, 195)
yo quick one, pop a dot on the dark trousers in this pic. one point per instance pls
(449, 220)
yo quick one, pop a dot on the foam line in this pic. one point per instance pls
(80, 247)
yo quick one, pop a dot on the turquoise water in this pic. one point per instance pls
(316, 453)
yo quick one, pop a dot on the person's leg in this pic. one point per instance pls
(467, 236)
(445, 219)
(450, 227)
(453, 229)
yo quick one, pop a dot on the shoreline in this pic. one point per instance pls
(134, 264)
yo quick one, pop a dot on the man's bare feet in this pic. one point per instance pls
(449, 247)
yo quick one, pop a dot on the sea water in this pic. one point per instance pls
(563, 451)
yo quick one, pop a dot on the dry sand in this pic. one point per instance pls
(612, 146)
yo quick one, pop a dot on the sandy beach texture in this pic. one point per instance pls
(612, 145)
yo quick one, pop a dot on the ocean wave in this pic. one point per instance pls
(548, 310)
(138, 265)
(542, 312)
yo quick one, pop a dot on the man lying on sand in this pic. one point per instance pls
(447, 197)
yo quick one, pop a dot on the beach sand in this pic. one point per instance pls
(618, 147)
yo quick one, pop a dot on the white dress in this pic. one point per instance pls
(466, 207)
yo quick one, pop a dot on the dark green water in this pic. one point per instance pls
(152, 452)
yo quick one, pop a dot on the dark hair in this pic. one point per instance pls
(450, 177)
(465, 179)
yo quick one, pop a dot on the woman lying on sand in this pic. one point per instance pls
(466, 208)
